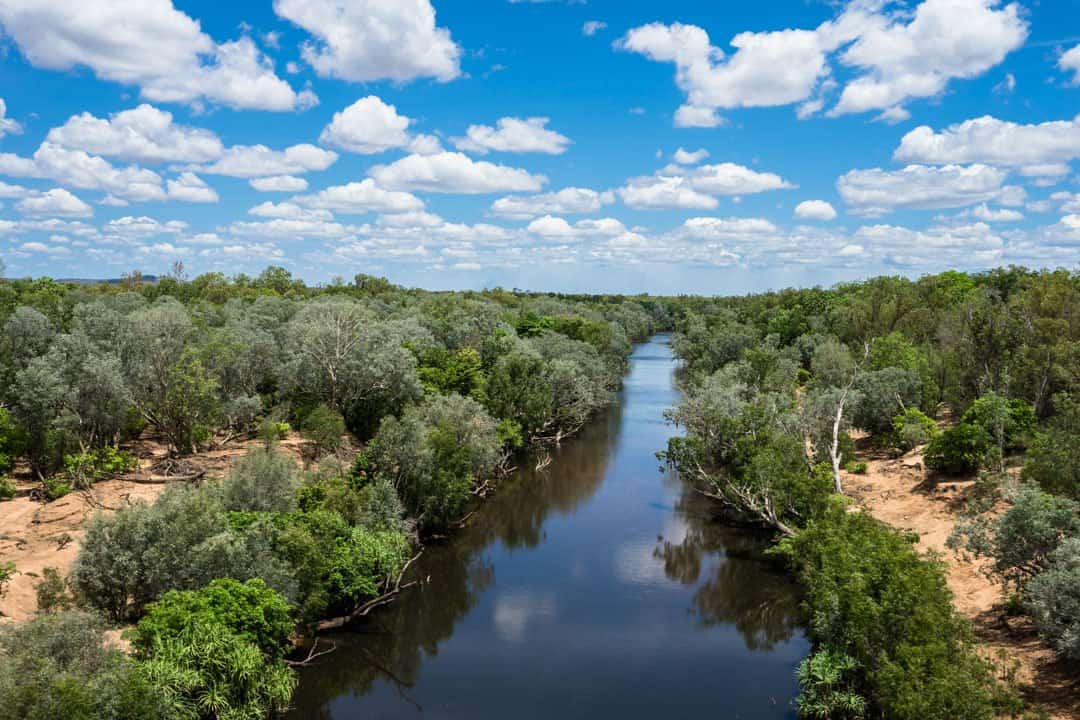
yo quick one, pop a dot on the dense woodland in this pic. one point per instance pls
(412, 402)
(981, 370)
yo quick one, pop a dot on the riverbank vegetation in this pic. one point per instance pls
(410, 404)
(981, 372)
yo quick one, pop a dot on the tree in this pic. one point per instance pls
(1053, 459)
(264, 480)
(1054, 599)
(323, 428)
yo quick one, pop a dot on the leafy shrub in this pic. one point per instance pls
(7, 571)
(56, 488)
(215, 673)
(323, 428)
(12, 441)
(251, 610)
(1054, 599)
(1008, 422)
(912, 428)
(264, 480)
(8, 488)
(1020, 541)
(363, 560)
(872, 597)
(958, 450)
(86, 468)
(52, 592)
(57, 666)
(827, 687)
(856, 467)
(882, 393)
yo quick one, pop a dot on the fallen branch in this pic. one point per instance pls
(312, 654)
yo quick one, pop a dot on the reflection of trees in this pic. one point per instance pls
(743, 589)
(392, 643)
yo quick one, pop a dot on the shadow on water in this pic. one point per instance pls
(595, 587)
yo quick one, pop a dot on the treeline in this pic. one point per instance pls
(433, 392)
(981, 371)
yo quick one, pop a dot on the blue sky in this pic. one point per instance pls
(601, 145)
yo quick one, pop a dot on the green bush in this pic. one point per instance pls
(827, 687)
(264, 480)
(364, 560)
(323, 428)
(856, 467)
(52, 592)
(213, 673)
(7, 571)
(1053, 458)
(1007, 422)
(250, 610)
(1054, 599)
(56, 488)
(870, 596)
(8, 488)
(958, 450)
(911, 429)
(86, 468)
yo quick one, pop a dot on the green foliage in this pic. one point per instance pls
(56, 488)
(827, 687)
(1053, 458)
(856, 467)
(912, 428)
(264, 480)
(1008, 422)
(1020, 541)
(8, 489)
(323, 428)
(1054, 599)
(7, 571)
(363, 560)
(250, 610)
(959, 450)
(11, 441)
(872, 598)
(52, 592)
(460, 371)
(86, 468)
(57, 666)
(518, 391)
(882, 394)
(208, 672)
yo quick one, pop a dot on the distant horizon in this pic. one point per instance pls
(614, 146)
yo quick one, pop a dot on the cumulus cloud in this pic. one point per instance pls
(1037, 149)
(898, 56)
(591, 27)
(367, 40)
(713, 228)
(686, 157)
(450, 172)
(563, 202)
(368, 126)
(149, 44)
(279, 183)
(987, 214)
(513, 135)
(1070, 62)
(876, 191)
(251, 161)
(58, 202)
(189, 187)
(975, 245)
(664, 191)
(89, 172)
(550, 227)
(729, 179)
(815, 210)
(7, 125)
(360, 197)
(144, 134)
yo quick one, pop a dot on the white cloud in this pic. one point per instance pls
(368, 126)
(143, 226)
(563, 202)
(189, 187)
(88, 172)
(57, 202)
(729, 179)
(591, 27)
(966, 246)
(664, 191)
(150, 44)
(279, 183)
(450, 172)
(945, 39)
(1041, 149)
(815, 210)
(366, 40)
(250, 161)
(143, 134)
(556, 228)
(984, 212)
(360, 197)
(290, 211)
(876, 191)
(12, 191)
(713, 228)
(685, 157)
(900, 56)
(1070, 62)
(7, 125)
(513, 135)
(289, 229)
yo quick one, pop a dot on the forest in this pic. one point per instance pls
(410, 405)
(982, 372)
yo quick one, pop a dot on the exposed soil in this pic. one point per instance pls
(35, 534)
(901, 492)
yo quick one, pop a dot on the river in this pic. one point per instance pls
(599, 586)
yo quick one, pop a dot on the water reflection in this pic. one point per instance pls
(594, 587)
